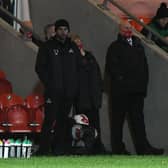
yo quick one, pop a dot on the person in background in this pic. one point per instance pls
(127, 67)
(159, 24)
(57, 67)
(49, 31)
(90, 91)
(9, 6)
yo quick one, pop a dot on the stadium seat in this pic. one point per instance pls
(137, 26)
(2, 119)
(5, 86)
(35, 106)
(2, 74)
(16, 116)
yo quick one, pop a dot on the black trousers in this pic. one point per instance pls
(132, 107)
(56, 118)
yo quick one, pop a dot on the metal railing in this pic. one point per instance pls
(104, 6)
(24, 27)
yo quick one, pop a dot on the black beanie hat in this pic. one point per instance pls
(162, 11)
(62, 22)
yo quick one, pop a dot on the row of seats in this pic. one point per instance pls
(18, 115)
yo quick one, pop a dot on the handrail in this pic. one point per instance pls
(26, 28)
(104, 4)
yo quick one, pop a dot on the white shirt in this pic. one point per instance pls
(130, 41)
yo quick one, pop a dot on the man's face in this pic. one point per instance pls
(78, 43)
(163, 21)
(126, 29)
(62, 32)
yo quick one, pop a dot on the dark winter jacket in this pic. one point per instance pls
(57, 67)
(127, 67)
(90, 93)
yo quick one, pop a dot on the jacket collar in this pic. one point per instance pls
(135, 41)
(66, 42)
(123, 40)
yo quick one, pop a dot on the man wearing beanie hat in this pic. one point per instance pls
(57, 68)
(62, 22)
(159, 24)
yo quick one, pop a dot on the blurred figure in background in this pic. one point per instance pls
(49, 31)
(90, 91)
(159, 24)
(9, 6)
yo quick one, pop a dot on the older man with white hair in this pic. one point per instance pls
(126, 65)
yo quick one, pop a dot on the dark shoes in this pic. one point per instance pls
(121, 152)
(41, 153)
(99, 149)
(148, 151)
(125, 152)
(151, 151)
(56, 153)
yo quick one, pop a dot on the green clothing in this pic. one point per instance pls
(162, 31)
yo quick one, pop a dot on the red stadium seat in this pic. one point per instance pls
(35, 106)
(2, 119)
(137, 26)
(16, 116)
(5, 86)
(2, 75)
(9, 100)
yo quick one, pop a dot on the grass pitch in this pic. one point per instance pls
(87, 162)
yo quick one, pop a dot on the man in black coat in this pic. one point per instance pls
(57, 67)
(126, 64)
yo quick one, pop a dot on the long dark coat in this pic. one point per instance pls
(127, 67)
(90, 83)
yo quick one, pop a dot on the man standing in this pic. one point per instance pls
(126, 64)
(57, 68)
